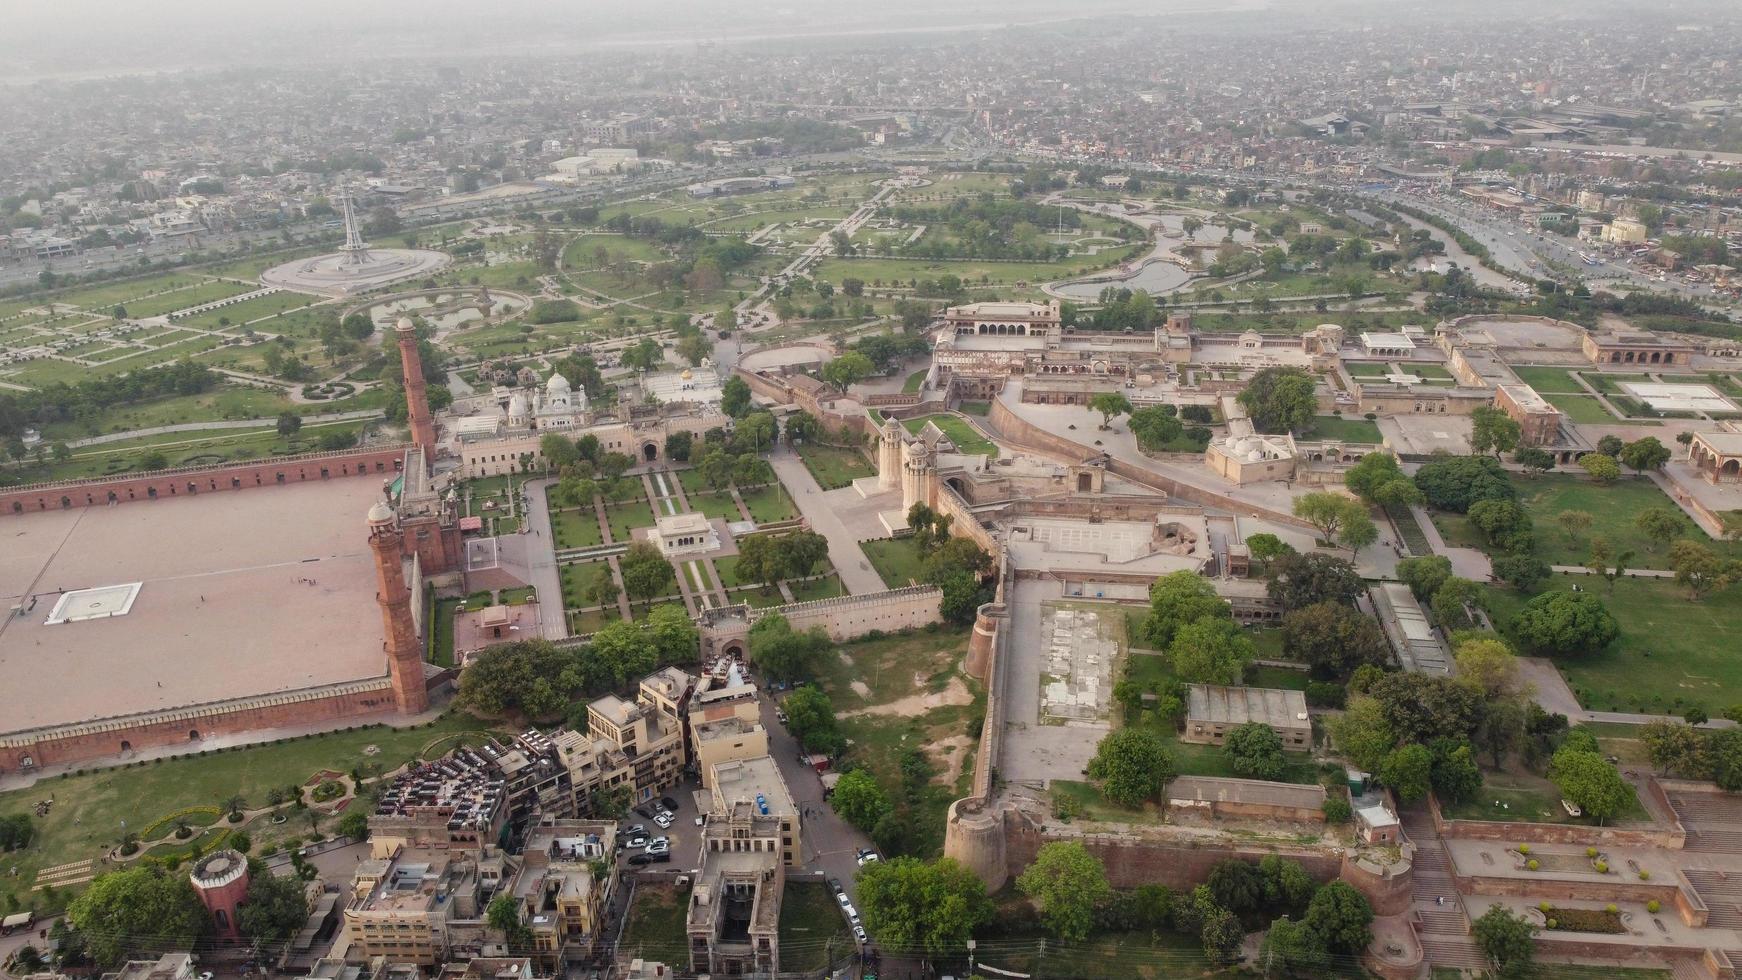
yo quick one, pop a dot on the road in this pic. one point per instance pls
(541, 560)
(157, 430)
(856, 574)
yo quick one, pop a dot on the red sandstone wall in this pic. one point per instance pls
(1133, 861)
(174, 730)
(384, 462)
(1552, 833)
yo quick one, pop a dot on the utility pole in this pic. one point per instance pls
(971, 945)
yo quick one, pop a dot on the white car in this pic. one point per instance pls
(859, 932)
(852, 913)
(663, 820)
(659, 845)
(867, 856)
(846, 902)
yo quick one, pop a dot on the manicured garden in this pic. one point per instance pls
(1526, 798)
(834, 466)
(897, 560)
(968, 440)
(1344, 429)
(1672, 653)
(1583, 408)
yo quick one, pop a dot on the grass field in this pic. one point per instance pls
(768, 504)
(1548, 380)
(577, 579)
(1345, 429)
(1368, 369)
(576, 528)
(897, 560)
(914, 382)
(1672, 653)
(625, 517)
(209, 291)
(812, 926)
(655, 930)
(967, 439)
(88, 808)
(834, 467)
(1583, 408)
(1612, 509)
(1531, 799)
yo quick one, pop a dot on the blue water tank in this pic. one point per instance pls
(762, 804)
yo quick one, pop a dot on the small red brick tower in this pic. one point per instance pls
(404, 653)
(220, 879)
(416, 396)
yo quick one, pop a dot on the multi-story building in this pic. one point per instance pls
(733, 920)
(561, 896)
(757, 783)
(649, 731)
(420, 905)
(727, 739)
(459, 802)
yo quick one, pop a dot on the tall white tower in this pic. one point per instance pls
(355, 249)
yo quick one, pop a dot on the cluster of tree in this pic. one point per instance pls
(1122, 310)
(847, 370)
(692, 344)
(1455, 482)
(554, 311)
(122, 914)
(1377, 479)
(1196, 629)
(16, 832)
(735, 397)
(1698, 249)
(533, 679)
(889, 349)
(784, 653)
(1338, 519)
(956, 565)
(988, 228)
(810, 717)
(1448, 598)
(1681, 749)
(1280, 399)
(929, 907)
(86, 401)
(1309, 923)
(1158, 428)
(1582, 775)
(769, 558)
(647, 226)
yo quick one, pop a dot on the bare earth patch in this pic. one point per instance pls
(862, 689)
(949, 754)
(954, 693)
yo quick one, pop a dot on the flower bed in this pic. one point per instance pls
(152, 830)
(1582, 920)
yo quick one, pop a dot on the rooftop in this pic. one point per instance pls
(756, 781)
(1238, 705)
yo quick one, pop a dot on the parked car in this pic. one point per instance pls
(635, 829)
(638, 840)
(867, 856)
(641, 859)
(859, 932)
(669, 803)
(645, 811)
(835, 886)
(847, 907)
(659, 845)
(841, 897)
(663, 820)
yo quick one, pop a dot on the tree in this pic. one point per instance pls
(1489, 666)
(1132, 766)
(289, 423)
(354, 824)
(1502, 522)
(1329, 512)
(735, 397)
(934, 907)
(1589, 781)
(1362, 732)
(1534, 460)
(1455, 775)
(1304, 579)
(1254, 750)
(1408, 770)
(784, 653)
(1286, 883)
(646, 573)
(621, 650)
(1109, 404)
(1660, 524)
(1176, 600)
(1211, 651)
(1492, 431)
(1377, 479)
(275, 908)
(558, 451)
(1341, 916)
(1724, 756)
(1333, 639)
(1502, 728)
(1423, 707)
(1602, 468)
(859, 800)
(1508, 938)
(1522, 571)
(847, 370)
(1610, 446)
(1455, 482)
(1290, 949)
(1675, 747)
(645, 355)
(1699, 570)
(148, 901)
(1280, 399)
(1221, 935)
(503, 915)
(1266, 547)
(1425, 575)
(1574, 522)
(1565, 622)
(1066, 883)
(811, 718)
(1645, 454)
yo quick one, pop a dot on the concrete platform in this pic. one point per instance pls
(243, 593)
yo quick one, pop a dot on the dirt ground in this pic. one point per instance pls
(954, 693)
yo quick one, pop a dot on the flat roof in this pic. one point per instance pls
(741, 780)
(1220, 705)
(240, 593)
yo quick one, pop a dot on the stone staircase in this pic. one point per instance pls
(1722, 894)
(1445, 929)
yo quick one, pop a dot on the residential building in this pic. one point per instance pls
(420, 904)
(733, 920)
(560, 893)
(757, 783)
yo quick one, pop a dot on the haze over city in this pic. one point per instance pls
(533, 490)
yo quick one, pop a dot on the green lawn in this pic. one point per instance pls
(1612, 509)
(655, 930)
(914, 382)
(812, 927)
(826, 587)
(625, 517)
(968, 440)
(1583, 408)
(768, 504)
(576, 579)
(1344, 429)
(88, 808)
(715, 505)
(897, 560)
(834, 466)
(1367, 369)
(442, 639)
(1549, 380)
(1672, 653)
(1530, 799)
(1107, 956)
(576, 528)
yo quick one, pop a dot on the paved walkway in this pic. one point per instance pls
(1631, 572)
(158, 430)
(541, 566)
(857, 575)
(1556, 697)
(1466, 562)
